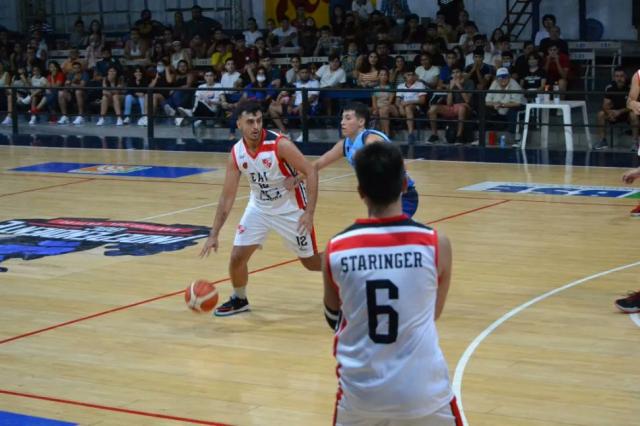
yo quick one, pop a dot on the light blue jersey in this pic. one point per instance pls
(352, 146)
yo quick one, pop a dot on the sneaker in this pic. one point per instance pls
(235, 305)
(179, 121)
(33, 120)
(26, 100)
(629, 304)
(7, 121)
(142, 121)
(185, 111)
(169, 111)
(119, 121)
(636, 211)
(100, 122)
(433, 139)
(601, 144)
(458, 140)
(197, 123)
(78, 121)
(63, 120)
(411, 139)
(126, 120)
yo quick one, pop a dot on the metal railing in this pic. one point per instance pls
(480, 119)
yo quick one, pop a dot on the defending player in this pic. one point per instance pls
(266, 158)
(386, 279)
(355, 117)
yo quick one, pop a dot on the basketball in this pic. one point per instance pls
(201, 296)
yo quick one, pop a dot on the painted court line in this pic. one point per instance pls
(468, 353)
(46, 187)
(131, 305)
(114, 409)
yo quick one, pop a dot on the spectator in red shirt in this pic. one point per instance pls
(556, 66)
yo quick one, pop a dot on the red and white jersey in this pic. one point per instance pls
(389, 360)
(266, 174)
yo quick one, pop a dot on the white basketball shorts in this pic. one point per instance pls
(447, 415)
(255, 226)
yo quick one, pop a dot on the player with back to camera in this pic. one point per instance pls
(355, 118)
(266, 158)
(386, 279)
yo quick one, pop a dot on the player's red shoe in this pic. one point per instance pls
(636, 211)
(630, 304)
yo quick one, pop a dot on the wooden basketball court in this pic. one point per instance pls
(107, 340)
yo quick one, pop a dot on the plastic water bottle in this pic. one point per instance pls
(503, 141)
(556, 96)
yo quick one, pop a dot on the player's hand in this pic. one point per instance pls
(305, 223)
(290, 183)
(211, 243)
(631, 175)
(635, 108)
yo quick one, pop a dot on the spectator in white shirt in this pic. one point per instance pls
(330, 75)
(252, 33)
(277, 109)
(427, 73)
(286, 34)
(409, 103)
(505, 106)
(548, 22)
(207, 99)
(230, 75)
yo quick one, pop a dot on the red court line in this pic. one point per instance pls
(115, 409)
(134, 180)
(465, 212)
(46, 187)
(131, 305)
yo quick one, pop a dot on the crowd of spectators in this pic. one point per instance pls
(358, 44)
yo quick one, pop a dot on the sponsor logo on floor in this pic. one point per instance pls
(555, 189)
(163, 172)
(30, 239)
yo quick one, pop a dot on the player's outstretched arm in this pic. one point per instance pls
(292, 155)
(225, 204)
(631, 175)
(334, 154)
(444, 272)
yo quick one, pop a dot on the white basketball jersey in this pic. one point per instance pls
(389, 359)
(266, 174)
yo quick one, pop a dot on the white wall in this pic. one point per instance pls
(615, 15)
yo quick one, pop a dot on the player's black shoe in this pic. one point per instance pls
(235, 305)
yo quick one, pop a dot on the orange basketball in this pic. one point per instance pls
(201, 296)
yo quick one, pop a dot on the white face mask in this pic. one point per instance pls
(160, 68)
(261, 78)
(400, 21)
(506, 64)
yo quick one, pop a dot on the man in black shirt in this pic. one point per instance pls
(614, 108)
(200, 24)
(554, 38)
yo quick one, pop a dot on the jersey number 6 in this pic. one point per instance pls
(374, 310)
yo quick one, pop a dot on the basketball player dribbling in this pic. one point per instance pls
(266, 158)
(355, 118)
(386, 279)
(634, 105)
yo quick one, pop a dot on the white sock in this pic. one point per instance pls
(240, 292)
